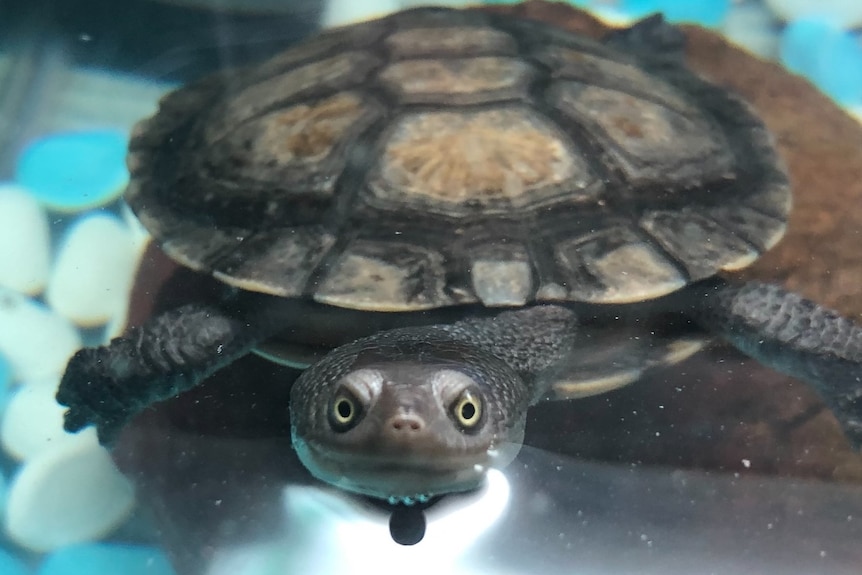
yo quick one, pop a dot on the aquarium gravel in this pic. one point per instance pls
(69, 249)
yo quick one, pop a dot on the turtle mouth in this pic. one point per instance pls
(397, 478)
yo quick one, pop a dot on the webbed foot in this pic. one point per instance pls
(173, 352)
(793, 335)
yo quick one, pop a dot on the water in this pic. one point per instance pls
(715, 465)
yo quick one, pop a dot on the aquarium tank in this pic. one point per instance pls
(557, 224)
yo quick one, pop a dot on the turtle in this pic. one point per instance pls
(446, 216)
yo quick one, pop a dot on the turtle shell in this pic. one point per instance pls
(440, 157)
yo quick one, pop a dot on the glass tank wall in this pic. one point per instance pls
(715, 464)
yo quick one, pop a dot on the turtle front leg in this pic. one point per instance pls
(171, 353)
(793, 335)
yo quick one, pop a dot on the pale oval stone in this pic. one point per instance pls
(33, 421)
(405, 4)
(25, 241)
(612, 16)
(93, 273)
(753, 27)
(117, 326)
(140, 239)
(4, 490)
(140, 236)
(36, 342)
(341, 12)
(67, 495)
(844, 13)
(5, 382)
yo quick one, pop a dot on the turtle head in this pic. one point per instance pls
(403, 417)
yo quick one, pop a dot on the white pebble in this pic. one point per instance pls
(36, 341)
(844, 13)
(67, 495)
(405, 4)
(33, 421)
(4, 488)
(93, 274)
(753, 27)
(116, 327)
(612, 16)
(140, 236)
(342, 12)
(25, 241)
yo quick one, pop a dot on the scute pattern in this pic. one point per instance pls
(643, 137)
(616, 265)
(281, 260)
(603, 72)
(457, 80)
(439, 157)
(384, 277)
(306, 142)
(459, 42)
(493, 159)
(335, 73)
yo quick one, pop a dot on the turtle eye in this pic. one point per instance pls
(467, 410)
(344, 411)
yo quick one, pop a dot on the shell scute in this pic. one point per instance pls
(460, 42)
(466, 163)
(440, 157)
(294, 150)
(476, 80)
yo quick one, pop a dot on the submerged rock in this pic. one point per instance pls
(33, 422)
(25, 241)
(845, 13)
(11, 565)
(106, 559)
(76, 170)
(829, 56)
(36, 341)
(67, 495)
(92, 276)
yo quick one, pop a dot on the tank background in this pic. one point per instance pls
(77, 66)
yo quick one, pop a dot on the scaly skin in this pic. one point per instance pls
(792, 335)
(504, 356)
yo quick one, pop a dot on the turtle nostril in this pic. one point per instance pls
(406, 423)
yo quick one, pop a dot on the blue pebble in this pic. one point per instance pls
(106, 559)
(76, 170)
(578, 3)
(799, 40)
(5, 395)
(4, 497)
(703, 12)
(829, 56)
(5, 372)
(11, 565)
(840, 70)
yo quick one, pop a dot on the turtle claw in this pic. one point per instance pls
(107, 386)
(76, 419)
(95, 388)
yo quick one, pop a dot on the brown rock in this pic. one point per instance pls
(719, 409)
(821, 144)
